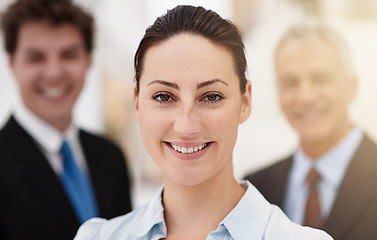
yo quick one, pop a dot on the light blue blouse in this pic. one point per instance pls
(252, 218)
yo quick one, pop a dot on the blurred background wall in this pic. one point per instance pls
(105, 106)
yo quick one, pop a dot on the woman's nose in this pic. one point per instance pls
(188, 121)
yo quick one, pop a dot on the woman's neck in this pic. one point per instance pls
(192, 212)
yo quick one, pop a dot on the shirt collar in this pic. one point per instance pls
(153, 216)
(47, 136)
(250, 216)
(333, 164)
(301, 166)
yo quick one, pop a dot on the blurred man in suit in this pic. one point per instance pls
(329, 181)
(53, 176)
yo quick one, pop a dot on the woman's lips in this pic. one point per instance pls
(188, 151)
(193, 149)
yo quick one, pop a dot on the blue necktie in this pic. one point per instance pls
(77, 186)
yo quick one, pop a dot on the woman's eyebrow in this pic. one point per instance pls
(200, 85)
(165, 83)
(213, 81)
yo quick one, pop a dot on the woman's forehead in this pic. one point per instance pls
(188, 55)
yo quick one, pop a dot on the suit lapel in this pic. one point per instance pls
(108, 175)
(272, 181)
(353, 198)
(39, 176)
(93, 157)
(280, 186)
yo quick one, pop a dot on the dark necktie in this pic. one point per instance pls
(313, 217)
(77, 186)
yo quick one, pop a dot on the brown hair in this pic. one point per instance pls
(56, 12)
(199, 21)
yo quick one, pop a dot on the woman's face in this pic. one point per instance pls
(189, 107)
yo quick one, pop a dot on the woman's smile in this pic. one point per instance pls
(188, 150)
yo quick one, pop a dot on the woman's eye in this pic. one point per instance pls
(162, 97)
(213, 98)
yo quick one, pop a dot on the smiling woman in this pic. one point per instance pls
(189, 107)
(190, 96)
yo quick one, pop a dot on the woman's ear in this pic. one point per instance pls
(136, 103)
(246, 103)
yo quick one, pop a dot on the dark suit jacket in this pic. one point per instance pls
(33, 204)
(354, 213)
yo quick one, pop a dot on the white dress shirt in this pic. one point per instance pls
(331, 166)
(49, 139)
(252, 219)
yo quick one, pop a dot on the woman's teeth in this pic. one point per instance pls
(188, 149)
